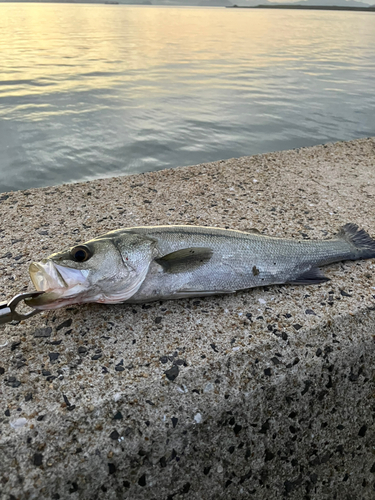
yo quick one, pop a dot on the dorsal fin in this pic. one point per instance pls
(185, 260)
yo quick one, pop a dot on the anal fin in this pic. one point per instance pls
(311, 277)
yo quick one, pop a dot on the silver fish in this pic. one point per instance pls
(143, 264)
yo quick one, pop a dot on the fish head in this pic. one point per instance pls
(109, 269)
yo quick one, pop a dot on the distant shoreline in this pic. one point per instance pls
(235, 6)
(304, 7)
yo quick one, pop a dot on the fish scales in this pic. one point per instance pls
(240, 260)
(148, 263)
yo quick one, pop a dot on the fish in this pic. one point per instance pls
(149, 263)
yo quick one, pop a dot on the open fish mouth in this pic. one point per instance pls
(58, 282)
(45, 276)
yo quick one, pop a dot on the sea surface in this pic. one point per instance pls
(90, 91)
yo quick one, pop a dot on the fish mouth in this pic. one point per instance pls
(61, 284)
(46, 276)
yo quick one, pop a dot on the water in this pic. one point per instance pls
(90, 91)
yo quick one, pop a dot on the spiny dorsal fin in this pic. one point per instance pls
(252, 230)
(185, 260)
(311, 277)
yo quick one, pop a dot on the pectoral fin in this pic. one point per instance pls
(185, 260)
(311, 277)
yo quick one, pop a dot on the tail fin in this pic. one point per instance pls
(364, 245)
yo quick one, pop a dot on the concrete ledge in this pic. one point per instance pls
(266, 394)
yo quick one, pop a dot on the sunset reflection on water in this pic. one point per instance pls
(90, 90)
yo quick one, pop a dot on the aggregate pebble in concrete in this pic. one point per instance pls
(266, 394)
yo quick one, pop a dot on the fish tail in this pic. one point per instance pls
(362, 245)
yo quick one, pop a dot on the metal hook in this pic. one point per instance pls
(8, 311)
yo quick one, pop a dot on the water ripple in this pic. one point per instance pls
(97, 90)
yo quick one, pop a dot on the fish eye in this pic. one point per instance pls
(81, 253)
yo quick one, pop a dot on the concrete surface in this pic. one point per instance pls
(266, 394)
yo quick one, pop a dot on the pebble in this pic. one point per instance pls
(43, 332)
(198, 418)
(114, 435)
(18, 423)
(37, 459)
(65, 324)
(172, 373)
